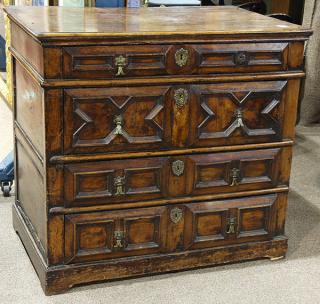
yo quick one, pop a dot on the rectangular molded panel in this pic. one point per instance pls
(29, 108)
(208, 224)
(235, 171)
(96, 183)
(104, 235)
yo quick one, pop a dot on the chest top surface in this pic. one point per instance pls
(46, 22)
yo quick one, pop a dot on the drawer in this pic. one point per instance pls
(172, 117)
(165, 229)
(102, 235)
(98, 62)
(220, 223)
(119, 181)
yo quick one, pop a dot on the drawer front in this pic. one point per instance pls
(119, 181)
(103, 235)
(171, 117)
(94, 62)
(165, 229)
(232, 221)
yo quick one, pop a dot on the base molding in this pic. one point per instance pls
(58, 279)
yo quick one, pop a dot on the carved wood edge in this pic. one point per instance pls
(62, 278)
(61, 159)
(171, 201)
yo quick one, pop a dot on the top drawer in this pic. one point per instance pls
(94, 62)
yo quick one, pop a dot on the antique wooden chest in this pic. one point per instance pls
(151, 140)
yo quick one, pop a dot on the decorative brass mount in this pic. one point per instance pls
(120, 63)
(119, 184)
(177, 167)
(235, 177)
(119, 239)
(239, 118)
(176, 215)
(181, 97)
(118, 120)
(232, 225)
(181, 57)
(241, 58)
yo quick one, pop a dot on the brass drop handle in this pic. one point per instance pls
(235, 177)
(239, 118)
(118, 120)
(232, 225)
(118, 239)
(120, 63)
(119, 183)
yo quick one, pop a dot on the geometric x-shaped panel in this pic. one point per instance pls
(129, 119)
(232, 113)
(101, 120)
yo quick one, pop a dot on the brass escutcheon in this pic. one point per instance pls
(177, 167)
(120, 63)
(241, 58)
(181, 57)
(176, 215)
(181, 97)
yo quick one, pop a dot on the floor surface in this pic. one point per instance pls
(294, 280)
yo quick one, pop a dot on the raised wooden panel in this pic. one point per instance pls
(88, 237)
(115, 119)
(100, 61)
(254, 221)
(114, 181)
(205, 224)
(142, 233)
(226, 114)
(230, 221)
(234, 171)
(104, 235)
(257, 57)
(29, 108)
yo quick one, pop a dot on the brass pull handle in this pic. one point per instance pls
(120, 63)
(181, 97)
(241, 58)
(235, 177)
(239, 118)
(177, 167)
(232, 225)
(118, 120)
(119, 184)
(176, 215)
(181, 57)
(118, 239)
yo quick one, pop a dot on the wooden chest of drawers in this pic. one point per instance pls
(151, 140)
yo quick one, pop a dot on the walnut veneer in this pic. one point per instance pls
(151, 140)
